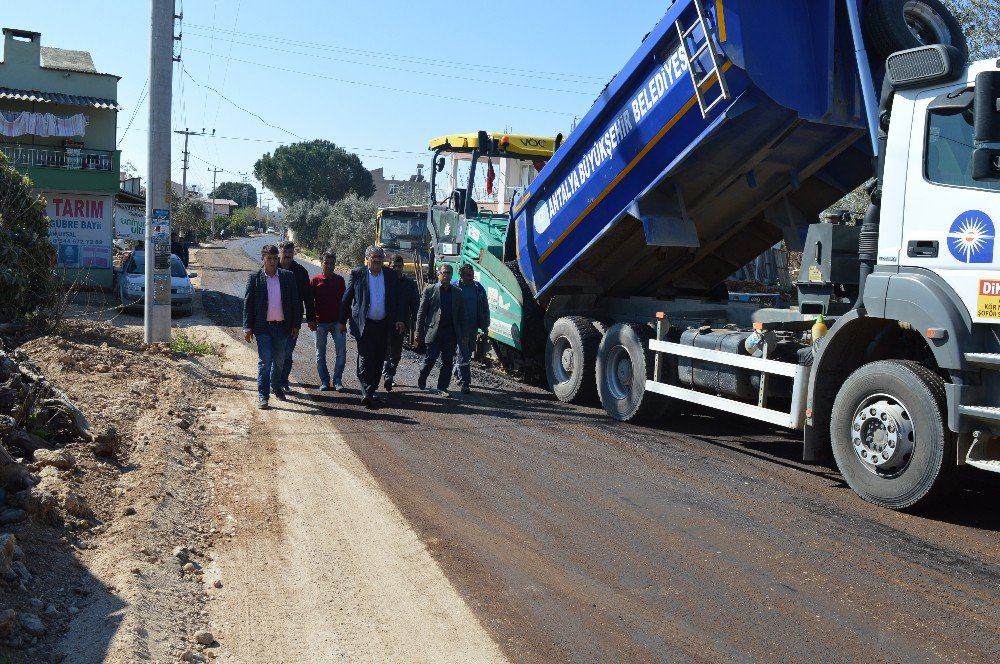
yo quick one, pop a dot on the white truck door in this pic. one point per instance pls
(950, 220)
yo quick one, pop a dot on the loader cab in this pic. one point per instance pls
(485, 172)
(403, 230)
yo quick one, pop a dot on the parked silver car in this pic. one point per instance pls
(132, 286)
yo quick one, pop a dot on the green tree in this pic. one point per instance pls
(188, 217)
(313, 171)
(28, 287)
(305, 218)
(349, 229)
(234, 191)
(981, 21)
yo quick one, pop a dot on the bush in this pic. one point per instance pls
(27, 284)
(305, 218)
(349, 229)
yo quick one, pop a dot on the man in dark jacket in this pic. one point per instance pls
(287, 249)
(178, 247)
(371, 302)
(272, 312)
(409, 301)
(477, 317)
(441, 322)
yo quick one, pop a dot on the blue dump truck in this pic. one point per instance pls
(731, 128)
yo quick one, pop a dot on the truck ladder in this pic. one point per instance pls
(691, 54)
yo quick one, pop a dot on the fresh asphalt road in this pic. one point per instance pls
(702, 538)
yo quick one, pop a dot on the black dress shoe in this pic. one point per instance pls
(368, 403)
(389, 384)
(279, 393)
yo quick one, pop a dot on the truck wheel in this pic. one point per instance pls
(570, 357)
(624, 362)
(889, 435)
(896, 25)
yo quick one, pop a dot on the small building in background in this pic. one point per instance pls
(390, 192)
(58, 125)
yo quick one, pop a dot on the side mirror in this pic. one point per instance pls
(192, 275)
(987, 107)
(923, 66)
(985, 164)
(439, 166)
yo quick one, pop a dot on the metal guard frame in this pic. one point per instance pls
(793, 419)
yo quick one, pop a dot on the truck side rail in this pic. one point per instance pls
(793, 418)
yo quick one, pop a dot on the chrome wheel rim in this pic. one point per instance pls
(883, 436)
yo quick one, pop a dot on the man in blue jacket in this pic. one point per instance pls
(272, 312)
(477, 319)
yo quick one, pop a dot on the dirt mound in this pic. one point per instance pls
(99, 504)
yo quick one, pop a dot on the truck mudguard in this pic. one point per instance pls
(924, 300)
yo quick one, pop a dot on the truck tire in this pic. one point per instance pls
(570, 359)
(532, 326)
(889, 434)
(624, 362)
(896, 25)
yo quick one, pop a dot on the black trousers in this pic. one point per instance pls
(371, 355)
(393, 354)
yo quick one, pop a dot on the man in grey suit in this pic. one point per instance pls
(442, 323)
(272, 311)
(371, 302)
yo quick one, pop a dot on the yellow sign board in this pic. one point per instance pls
(988, 304)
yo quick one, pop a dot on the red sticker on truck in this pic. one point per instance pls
(988, 304)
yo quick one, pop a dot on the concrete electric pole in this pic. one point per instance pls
(156, 326)
(187, 133)
(215, 172)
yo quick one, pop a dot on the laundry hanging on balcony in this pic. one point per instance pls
(19, 123)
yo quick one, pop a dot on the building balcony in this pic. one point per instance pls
(65, 169)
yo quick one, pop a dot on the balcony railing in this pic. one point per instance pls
(32, 156)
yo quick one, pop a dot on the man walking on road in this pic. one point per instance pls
(272, 312)
(409, 301)
(441, 322)
(327, 292)
(477, 318)
(287, 248)
(371, 301)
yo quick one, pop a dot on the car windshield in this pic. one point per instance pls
(138, 265)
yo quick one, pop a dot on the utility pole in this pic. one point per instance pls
(215, 172)
(156, 325)
(184, 168)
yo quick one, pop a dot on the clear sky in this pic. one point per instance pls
(378, 77)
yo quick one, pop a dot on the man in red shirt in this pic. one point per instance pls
(327, 292)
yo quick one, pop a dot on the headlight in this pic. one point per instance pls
(133, 287)
(185, 290)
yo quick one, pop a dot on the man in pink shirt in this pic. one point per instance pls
(272, 312)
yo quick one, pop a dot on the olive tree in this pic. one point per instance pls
(28, 286)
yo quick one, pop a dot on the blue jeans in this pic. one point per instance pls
(340, 348)
(271, 343)
(463, 370)
(286, 364)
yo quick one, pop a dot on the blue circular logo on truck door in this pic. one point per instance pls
(971, 237)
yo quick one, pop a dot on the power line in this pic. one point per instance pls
(267, 140)
(408, 71)
(409, 58)
(421, 93)
(225, 75)
(209, 87)
(138, 105)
